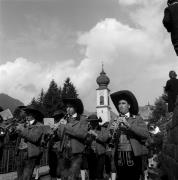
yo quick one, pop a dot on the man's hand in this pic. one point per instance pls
(20, 127)
(93, 133)
(114, 125)
(125, 124)
(55, 126)
(63, 121)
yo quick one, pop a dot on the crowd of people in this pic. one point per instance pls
(77, 143)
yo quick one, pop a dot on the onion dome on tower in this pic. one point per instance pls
(103, 80)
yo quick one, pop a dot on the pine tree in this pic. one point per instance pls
(34, 103)
(39, 101)
(41, 97)
(69, 90)
(52, 99)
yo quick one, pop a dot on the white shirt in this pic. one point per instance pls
(74, 115)
(127, 114)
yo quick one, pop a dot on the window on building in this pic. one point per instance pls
(101, 100)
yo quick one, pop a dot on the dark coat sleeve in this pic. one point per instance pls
(78, 130)
(167, 19)
(139, 128)
(103, 136)
(167, 87)
(32, 135)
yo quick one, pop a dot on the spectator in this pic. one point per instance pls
(171, 89)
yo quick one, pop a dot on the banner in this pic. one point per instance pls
(49, 122)
(6, 114)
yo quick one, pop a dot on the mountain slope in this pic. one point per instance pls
(9, 102)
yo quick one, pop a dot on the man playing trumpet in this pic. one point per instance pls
(72, 132)
(130, 134)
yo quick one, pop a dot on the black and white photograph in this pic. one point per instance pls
(88, 90)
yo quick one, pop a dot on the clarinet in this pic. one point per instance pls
(115, 133)
(64, 137)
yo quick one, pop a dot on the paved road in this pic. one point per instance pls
(45, 177)
(11, 176)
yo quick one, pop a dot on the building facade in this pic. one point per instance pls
(103, 97)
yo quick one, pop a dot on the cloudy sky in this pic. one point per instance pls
(41, 40)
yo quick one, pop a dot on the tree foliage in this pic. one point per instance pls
(160, 109)
(69, 90)
(51, 100)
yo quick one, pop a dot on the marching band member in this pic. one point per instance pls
(110, 169)
(21, 145)
(73, 132)
(2, 135)
(54, 155)
(131, 133)
(96, 155)
(32, 135)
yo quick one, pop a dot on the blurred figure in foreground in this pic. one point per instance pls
(170, 22)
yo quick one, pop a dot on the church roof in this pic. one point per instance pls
(103, 80)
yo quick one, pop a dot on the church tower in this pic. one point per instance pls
(102, 93)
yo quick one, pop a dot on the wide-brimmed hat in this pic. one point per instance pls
(76, 103)
(37, 114)
(129, 97)
(21, 107)
(93, 117)
(59, 114)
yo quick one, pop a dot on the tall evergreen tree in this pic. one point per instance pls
(34, 103)
(69, 90)
(38, 103)
(52, 99)
(41, 97)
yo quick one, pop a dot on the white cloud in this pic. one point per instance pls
(23, 79)
(18, 76)
(136, 58)
(139, 2)
(129, 2)
(134, 55)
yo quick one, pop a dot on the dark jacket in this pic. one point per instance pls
(171, 89)
(99, 143)
(101, 140)
(138, 135)
(170, 22)
(76, 130)
(32, 135)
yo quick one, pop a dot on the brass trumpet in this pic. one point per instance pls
(10, 125)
